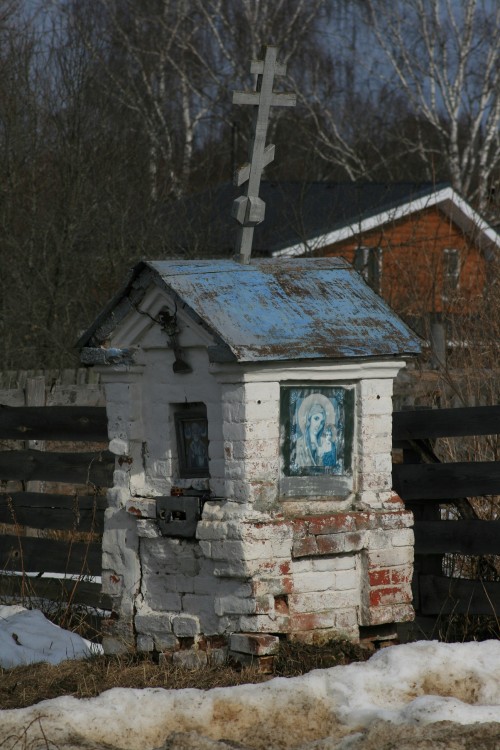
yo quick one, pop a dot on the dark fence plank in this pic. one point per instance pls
(73, 423)
(50, 511)
(50, 556)
(75, 468)
(426, 482)
(55, 589)
(53, 500)
(465, 537)
(64, 512)
(434, 423)
(446, 481)
(419, 502)
(440, 595)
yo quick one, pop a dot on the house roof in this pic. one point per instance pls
(304, 216)
(291, 309)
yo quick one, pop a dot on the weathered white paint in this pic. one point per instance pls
(259, 565)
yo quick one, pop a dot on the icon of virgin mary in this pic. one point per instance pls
(317, 433)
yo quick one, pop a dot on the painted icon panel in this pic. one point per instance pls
(192, 444)
(317, 425)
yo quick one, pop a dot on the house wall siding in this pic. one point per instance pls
(413, 263)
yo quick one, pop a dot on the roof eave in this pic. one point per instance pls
(114, 312)
(450, 202)
(129, 297)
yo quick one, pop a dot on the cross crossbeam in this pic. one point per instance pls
(249, 209)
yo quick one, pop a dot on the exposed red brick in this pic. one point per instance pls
(333, 523)
(366, 521)
(284, 568)
(281, 604)
(134, 511)
(311, 620)
(305, 547)
(330, 544)
(267, 565)
(396, 500)
(267, 568)
(299, 526)
(389, 595)
(401, 576)
(380, 577)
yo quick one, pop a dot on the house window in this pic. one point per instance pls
(368, 262)
(451, 272)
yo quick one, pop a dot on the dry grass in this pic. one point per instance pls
(24, 686)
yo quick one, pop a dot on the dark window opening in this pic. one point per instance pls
(191, 427)
(451, 272)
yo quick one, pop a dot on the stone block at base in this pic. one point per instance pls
(118, 637)
(190, 659)
(256, 644)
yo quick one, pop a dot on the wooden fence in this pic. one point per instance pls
(52, 501)
(426, 484)
(46, 530)
(71, 387)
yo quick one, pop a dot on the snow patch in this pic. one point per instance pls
(415, 685)
(26, 637)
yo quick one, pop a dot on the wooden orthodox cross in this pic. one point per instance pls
(249, 209)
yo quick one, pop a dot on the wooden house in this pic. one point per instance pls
(422, 247)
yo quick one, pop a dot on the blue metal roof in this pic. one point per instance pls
(273, 310)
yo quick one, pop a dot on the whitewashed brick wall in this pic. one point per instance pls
(304, 569)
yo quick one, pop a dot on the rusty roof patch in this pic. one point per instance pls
(272, 310)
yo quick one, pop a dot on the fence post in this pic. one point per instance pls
(35, 396)
(438, 341)
(429, 511)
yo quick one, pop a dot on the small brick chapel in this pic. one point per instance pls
(250, 411)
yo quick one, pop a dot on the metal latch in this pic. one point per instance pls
(178, 515)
